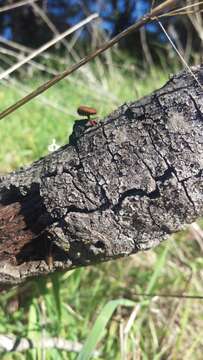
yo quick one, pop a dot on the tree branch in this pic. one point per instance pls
(117, 188)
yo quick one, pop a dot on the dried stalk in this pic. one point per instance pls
(47, 46)
(16, 5)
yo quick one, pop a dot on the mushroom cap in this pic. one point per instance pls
(86, 110)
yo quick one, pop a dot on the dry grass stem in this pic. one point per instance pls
(16, 5)
(47, 46)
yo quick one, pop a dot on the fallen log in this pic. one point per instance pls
(119, 187)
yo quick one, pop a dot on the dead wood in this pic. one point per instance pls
(121, 186)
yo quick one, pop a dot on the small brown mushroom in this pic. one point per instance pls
(86, 111)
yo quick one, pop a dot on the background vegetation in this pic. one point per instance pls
(69, 305)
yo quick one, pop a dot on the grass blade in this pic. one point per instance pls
(55, 279)
(159, 266)
(97, 331)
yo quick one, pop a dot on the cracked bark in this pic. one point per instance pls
(117, 188)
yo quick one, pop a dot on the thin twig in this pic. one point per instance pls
(152, 4)
(46, 19)
(178, 296)
(179, 54)
(172, 14)
(94, 86)
(189, 6)
(28, 50)
(47, 45)
(183, 10)
(10, 343)
(144, 20)
(20, 56)
(15, 45)
(48, 22)
(16, 5)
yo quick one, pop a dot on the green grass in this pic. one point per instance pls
(98, 305)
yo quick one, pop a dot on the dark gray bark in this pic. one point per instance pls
(117, 188)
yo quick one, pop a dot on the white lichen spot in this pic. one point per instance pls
(178, 124)
(53, 146)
